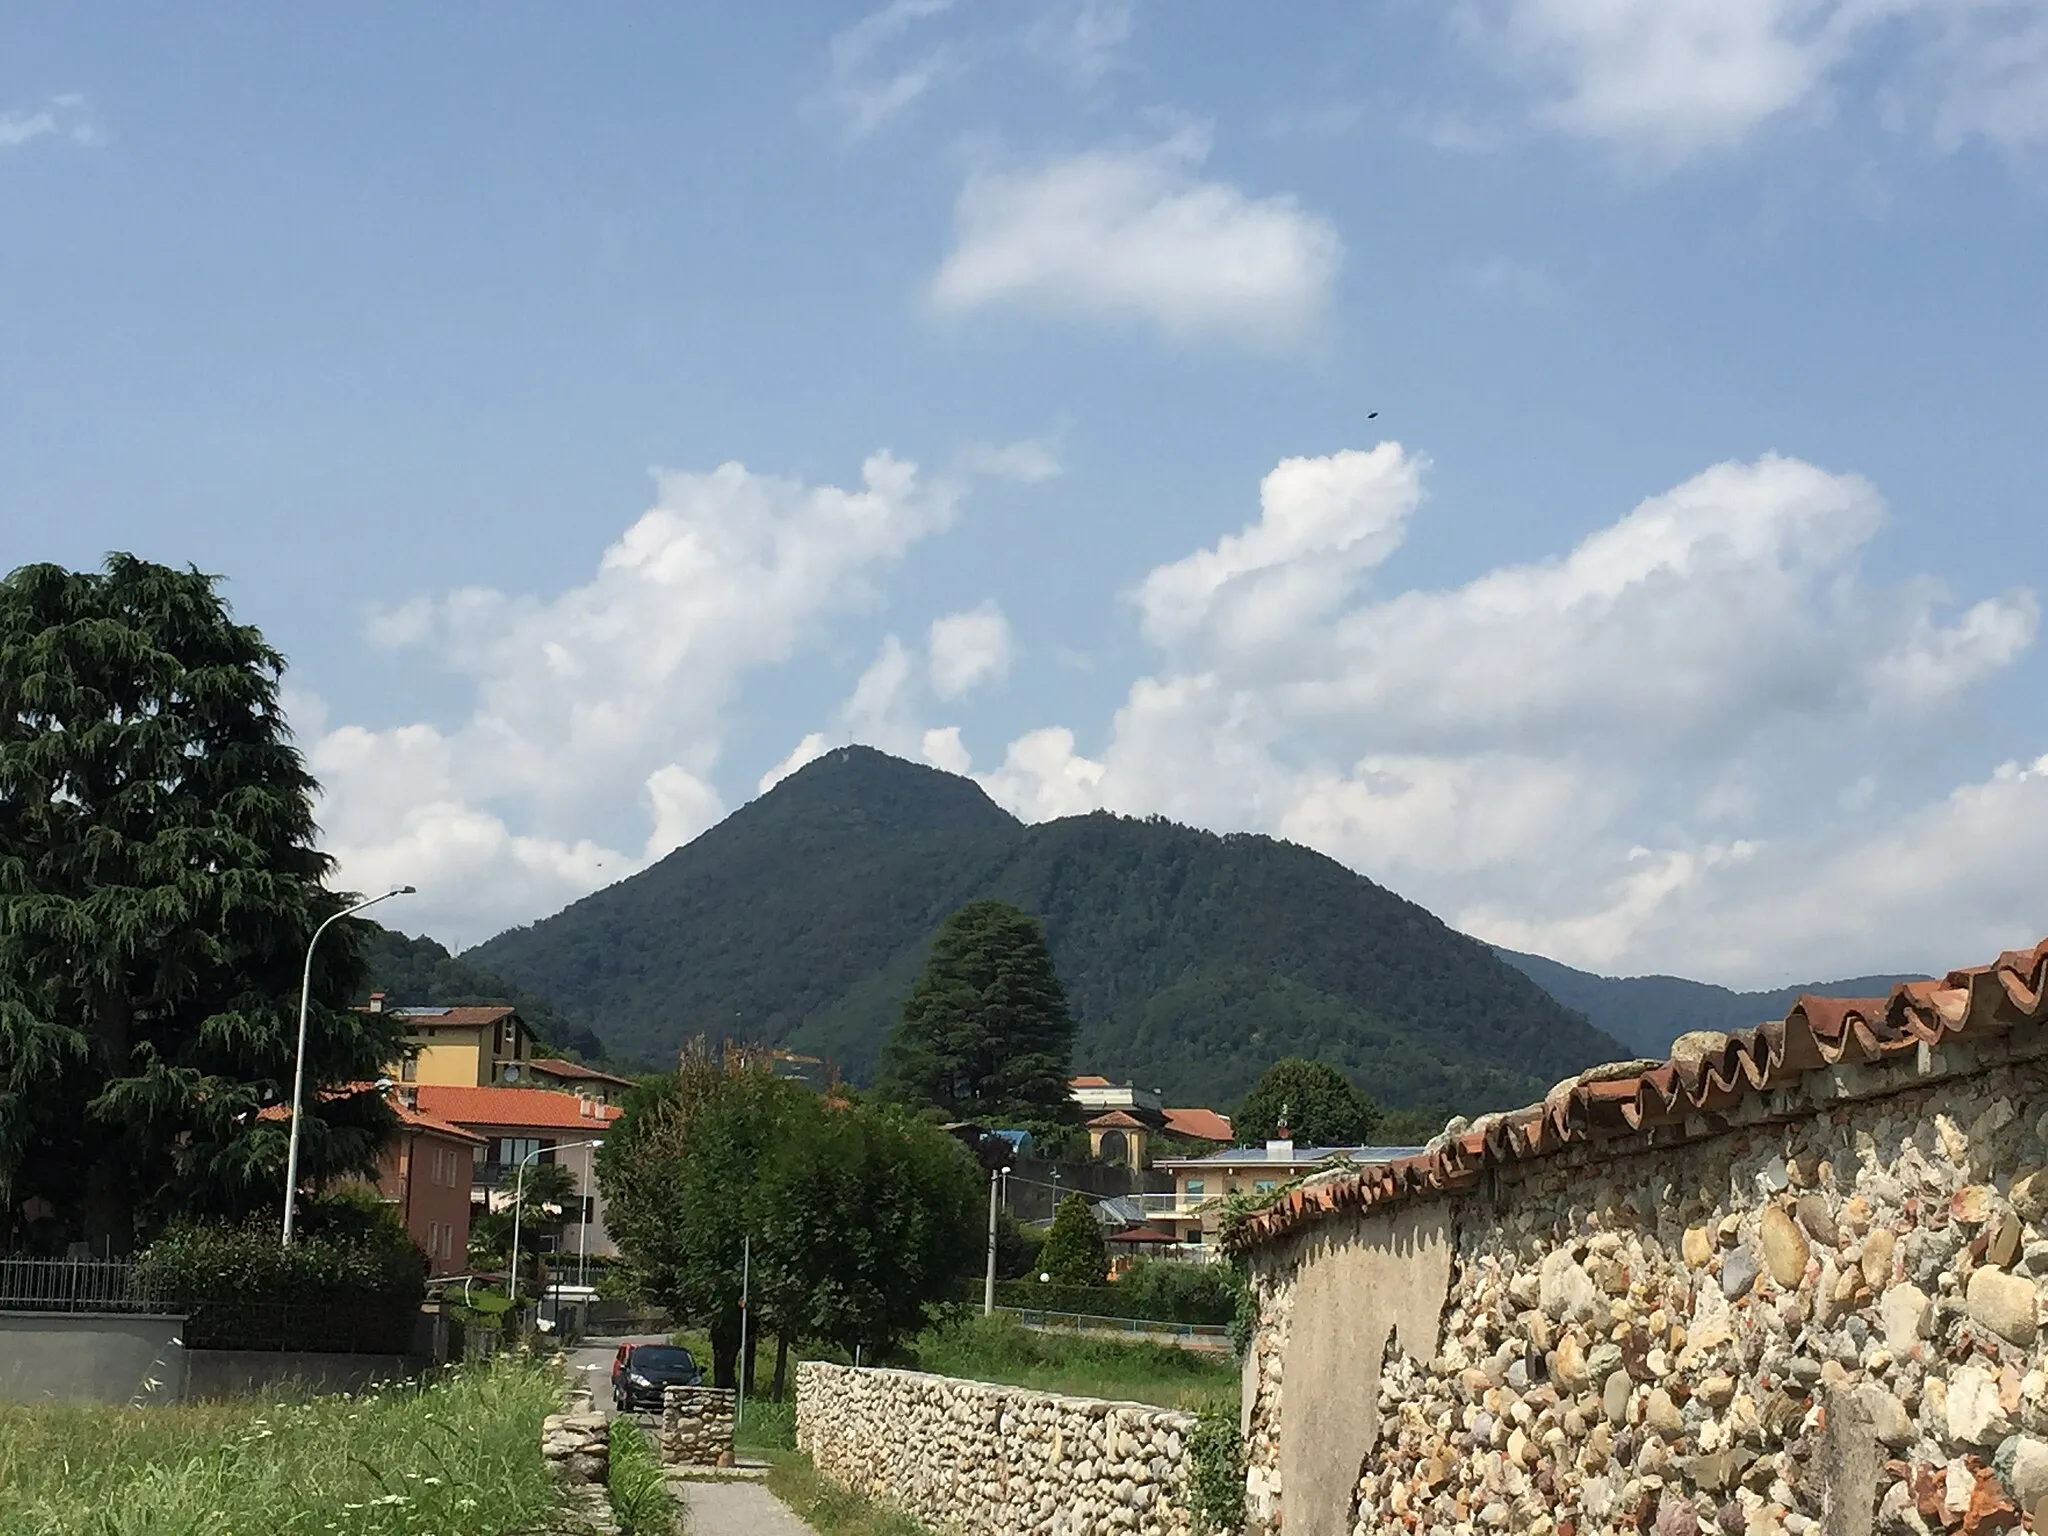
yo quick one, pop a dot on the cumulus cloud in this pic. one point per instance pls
(1083, 37)
(1587, 754)
(1664, 80)
(604, 705)
(1136, 233)
(969, 649)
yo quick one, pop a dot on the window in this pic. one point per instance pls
(512, 1150)
(1195, 1187)
(1265, 1186)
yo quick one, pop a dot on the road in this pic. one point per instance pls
(714, 1508)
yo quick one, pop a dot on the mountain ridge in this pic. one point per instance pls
(1191, 959)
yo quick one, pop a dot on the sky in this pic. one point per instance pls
(1580, 463)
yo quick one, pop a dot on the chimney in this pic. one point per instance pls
(376, 1002)
(1281, 1147)
(409, 1096)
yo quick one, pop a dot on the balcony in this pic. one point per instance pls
(1173, 1204)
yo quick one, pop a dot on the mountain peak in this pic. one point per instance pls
(884, 792)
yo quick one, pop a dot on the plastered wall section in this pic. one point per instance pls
(978, 1459)
(1826, 1321)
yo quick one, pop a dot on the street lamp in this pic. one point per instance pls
(519, 1200)
(291, 1162)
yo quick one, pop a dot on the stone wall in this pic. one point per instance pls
(697, 1426)
(577, 1447)
(1824, 1320)
(982, 1460)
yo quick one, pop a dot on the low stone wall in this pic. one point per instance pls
(697, 1425)
(1825, 1324)
(91, 1357)
(984, 1460)
(577, 1447)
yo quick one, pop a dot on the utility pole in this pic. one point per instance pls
(988, 1293)
(739, 1413)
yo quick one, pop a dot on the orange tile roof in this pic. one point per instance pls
(469, 1016)
(406, 1115)
(1707, 1075)
(522, 1108)
(1089, 1082)
(1200, 1124)
(1116, 1120)
(572, 1071)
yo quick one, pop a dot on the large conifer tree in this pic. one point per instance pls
(158, 884)
(985, 1033)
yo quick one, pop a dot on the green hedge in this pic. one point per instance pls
(1160, 1290)
(349, 1286)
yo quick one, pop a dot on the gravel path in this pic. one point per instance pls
(736, 1509)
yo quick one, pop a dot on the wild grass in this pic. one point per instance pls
(639, 1487)
(830, 1509)
(1001, 1350)
(461, 1456)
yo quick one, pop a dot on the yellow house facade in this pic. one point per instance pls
(485, 1046)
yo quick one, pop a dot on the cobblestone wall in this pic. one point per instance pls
(1824, 1321)
(982, 1460)
(697, 1426)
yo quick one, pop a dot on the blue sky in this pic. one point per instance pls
(605, 413)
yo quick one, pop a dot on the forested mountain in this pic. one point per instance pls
(1647, 1013)
(420, 973)
(1191, 961)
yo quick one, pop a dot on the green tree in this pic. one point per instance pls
(1074, 1254)
(158, 885)
(860, 1219)
(985, 1033)
(1321, 1105)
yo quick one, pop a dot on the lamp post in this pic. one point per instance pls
(519, 1201)
(291, 1161)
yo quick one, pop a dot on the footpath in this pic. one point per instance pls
(723, 1504)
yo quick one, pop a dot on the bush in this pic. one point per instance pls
(1158, 1290)
(1074, 1254)
(352, 1284)
(1216, 1471)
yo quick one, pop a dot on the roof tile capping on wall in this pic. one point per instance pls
(1787, 1283)
(1708, 1078)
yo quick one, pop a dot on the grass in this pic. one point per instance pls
(639, 1487)
(830, 1509)
(1001, 1350)
(461, 1457)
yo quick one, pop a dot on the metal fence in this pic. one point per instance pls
(69, 1285)
(1033, 1317)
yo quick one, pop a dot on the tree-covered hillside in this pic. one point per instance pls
(1647, 1013)
(1191, 961)
(420, 973)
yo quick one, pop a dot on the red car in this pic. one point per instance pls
(641, 1371)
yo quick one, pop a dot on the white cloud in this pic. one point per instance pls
(1027, 462)
(1601, 755)
(968, 649)
(809, 750)
(1662, 81)
(863, 86)
(1083, 37)
(1136, 233)
(608, 696)
(942, 748)
(62, 117)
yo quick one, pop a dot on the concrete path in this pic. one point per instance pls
(736, 1509)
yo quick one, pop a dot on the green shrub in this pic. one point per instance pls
(1074, 1254)
(352, 1284)
(1206, 1295)
(1216, 1471)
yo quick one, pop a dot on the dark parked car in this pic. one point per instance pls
(640, 1371)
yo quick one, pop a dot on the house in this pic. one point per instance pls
(427, 1171)
(1126, 1118)
(1193, 1211)
(530, 1125)
(573, 1077)
(475, 1046)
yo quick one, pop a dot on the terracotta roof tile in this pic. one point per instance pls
(1116, 1120)
(1706, 1074)
(573, 1071)
(406, 1115)
(519, 1108)
(1199, 1124)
